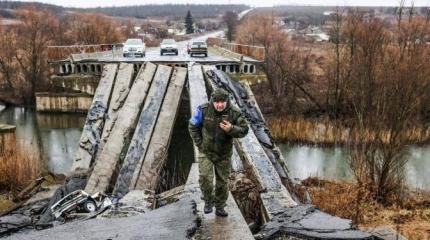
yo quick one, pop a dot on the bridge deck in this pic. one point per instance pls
(106, 162)
(274, 196)
(120, 91)
(146, 176)
(95, 119)
(233, 227)
(213, 227)
(153, 55)
(142, 135)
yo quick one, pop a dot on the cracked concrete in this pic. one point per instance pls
(174, 221)
(307, 222)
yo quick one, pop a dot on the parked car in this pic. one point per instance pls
(76, 200)
(168, 46)
(198, 47)
(134, 47)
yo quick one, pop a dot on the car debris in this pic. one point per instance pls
(81, 201)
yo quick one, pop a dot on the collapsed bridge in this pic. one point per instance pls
(125, 141)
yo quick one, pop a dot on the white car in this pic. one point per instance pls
(133, 47)
(168, 46)
(73, 200)
(80, 200)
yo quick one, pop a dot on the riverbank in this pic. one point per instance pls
(325, 132)
(411, 218)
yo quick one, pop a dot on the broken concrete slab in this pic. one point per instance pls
(233, 227)
(12, 223)
(213, 227)
(47, 193)
(174, 221)
(384, 232)
(138, 198)
(119, 94)
(307, 222)
(274, 195)
(134, 203)
(196, 86)
(245, 100)
(145, 126)
(146, 176)
(106, 162)
(236, 162)
(90, 139)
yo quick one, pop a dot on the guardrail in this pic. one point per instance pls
(256, 52)
(58, 53)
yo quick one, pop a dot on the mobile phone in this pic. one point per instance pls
(224, 118)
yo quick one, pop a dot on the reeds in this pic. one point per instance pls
(349, 200)
(323, 131)
(18, 167)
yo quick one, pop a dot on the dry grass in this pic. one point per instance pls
(18, 167)
(5, 203)
(412, 219)
(325, 132)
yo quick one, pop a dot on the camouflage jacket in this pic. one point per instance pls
(207, 134)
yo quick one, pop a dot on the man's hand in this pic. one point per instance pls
(226, 126)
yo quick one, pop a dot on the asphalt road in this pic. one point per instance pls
(153, 53)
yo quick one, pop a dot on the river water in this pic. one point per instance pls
(54, 137)
(331, 163)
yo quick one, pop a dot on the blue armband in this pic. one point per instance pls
(197, 119)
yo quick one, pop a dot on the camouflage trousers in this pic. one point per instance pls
(207, 169)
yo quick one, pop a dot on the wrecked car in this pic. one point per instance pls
(79, 200)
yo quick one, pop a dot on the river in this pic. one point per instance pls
(55, 137)
(331, 163)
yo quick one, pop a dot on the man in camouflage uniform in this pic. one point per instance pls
(212, 129)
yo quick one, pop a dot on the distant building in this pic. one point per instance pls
(319, 37)
(329, 13)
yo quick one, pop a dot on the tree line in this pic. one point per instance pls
(23, 55)
(375, 80)
(170, 10)
(175, 11)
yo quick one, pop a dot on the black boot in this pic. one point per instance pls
(221, 212)
(208, 207)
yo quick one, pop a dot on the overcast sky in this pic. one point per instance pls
(256, 3)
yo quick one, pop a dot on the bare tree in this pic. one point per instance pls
(35, 33)
(8, 66)
(95, 29)
(286, 65)
(387, 71)
(231, 20)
